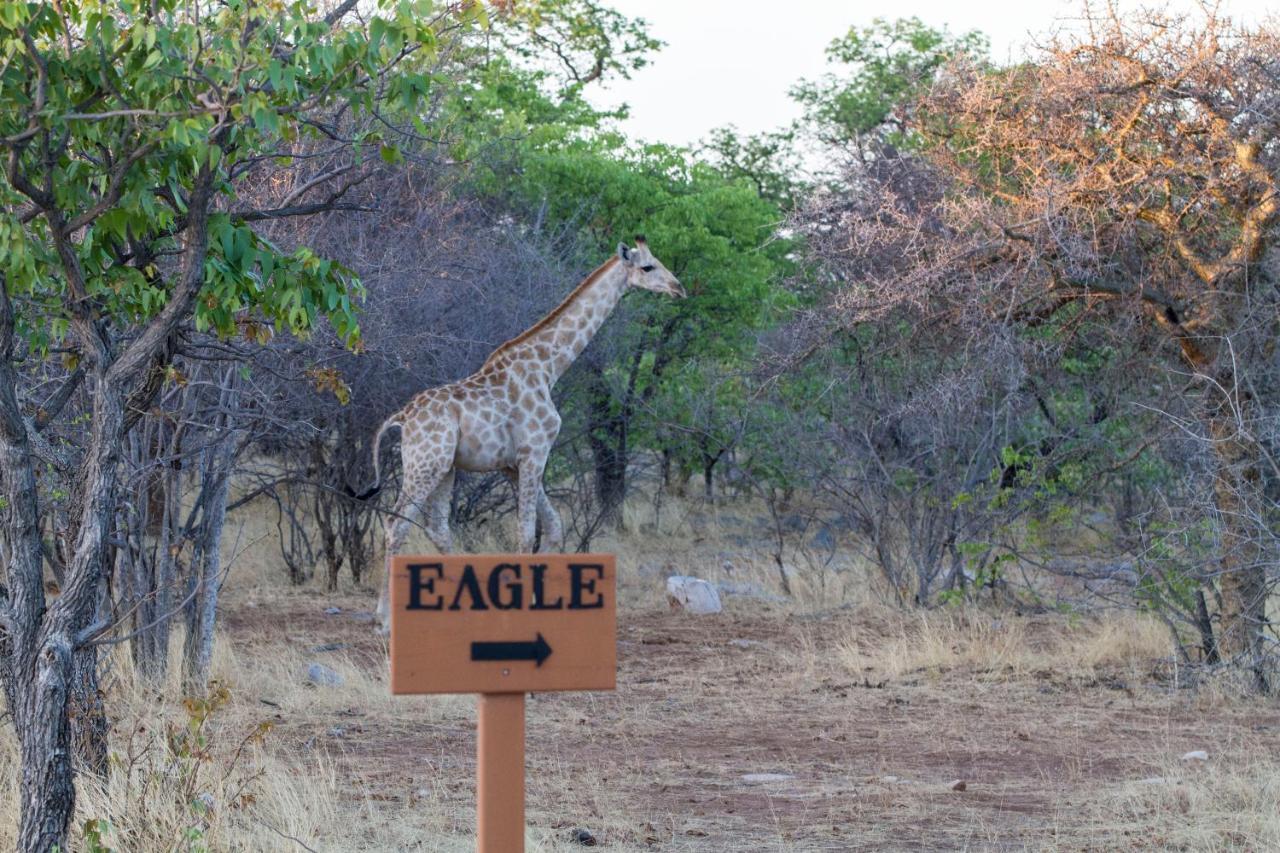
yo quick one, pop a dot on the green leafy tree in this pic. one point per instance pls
(769, 161)
(126, 129)
(882, 70)
(572, 44)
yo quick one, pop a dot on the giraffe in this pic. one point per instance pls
(502, 417)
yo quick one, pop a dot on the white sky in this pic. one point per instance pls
(730, 62)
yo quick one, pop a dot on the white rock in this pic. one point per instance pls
(318, 673)
(1196, 755)
(764, 778)
(692, 594)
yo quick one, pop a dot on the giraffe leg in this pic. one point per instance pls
(394, 529)
(414, 500)
(527, 491)
(437, 514)
(549, 520)
(549, 523)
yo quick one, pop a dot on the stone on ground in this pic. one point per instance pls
(583, 837)
(693, 595)
(319, 674)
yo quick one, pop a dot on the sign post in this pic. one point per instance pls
(502, 625)
(500, 772)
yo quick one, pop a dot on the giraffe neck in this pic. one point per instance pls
(566, 333)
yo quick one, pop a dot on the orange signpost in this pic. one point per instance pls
(502, 625)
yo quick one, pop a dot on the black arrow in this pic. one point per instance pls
(537, 650)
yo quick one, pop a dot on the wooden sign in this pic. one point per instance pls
(503, 623)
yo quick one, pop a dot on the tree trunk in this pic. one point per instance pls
(668, 484)
(39, 673)
(149, 573)
(34, 665)
(88, 713)
(44, 740)
(709, 462)
(1237, 497)
(607, 435)
(611, 478)
(206, 566)
(159, 573)
(1208, 643)
(1242, 573)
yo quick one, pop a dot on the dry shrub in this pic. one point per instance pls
(180, 778)
(213, 774)
(1003, 645)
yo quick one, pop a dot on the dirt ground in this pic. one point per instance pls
(1048, 758)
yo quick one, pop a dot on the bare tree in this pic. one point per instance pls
(1127, 178)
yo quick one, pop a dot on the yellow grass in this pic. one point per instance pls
(220, 789)
(1214, 805)
(1002, 645)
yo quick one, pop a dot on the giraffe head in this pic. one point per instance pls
(647, 272)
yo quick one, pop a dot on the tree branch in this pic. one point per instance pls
(297, 210)
(55, 404)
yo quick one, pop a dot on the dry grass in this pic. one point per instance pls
(177, 782)
(1001, 646)
(1215, 805)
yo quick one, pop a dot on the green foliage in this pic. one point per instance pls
(883, 68)
(112, 112)
(521, 88)
(768, 161)
(96, 832)
(1174, 560)
(498, 112)
(573, 43)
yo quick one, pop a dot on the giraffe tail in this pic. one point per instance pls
(396, 420)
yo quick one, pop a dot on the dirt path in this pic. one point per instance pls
(861, 763)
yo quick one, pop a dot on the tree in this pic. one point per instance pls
(767, 160)
(573, 43)
(1127, 180)
(126, 130)
(883, 69)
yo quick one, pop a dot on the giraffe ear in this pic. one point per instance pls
(624, 253)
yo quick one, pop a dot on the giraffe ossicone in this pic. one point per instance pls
(502, 417)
